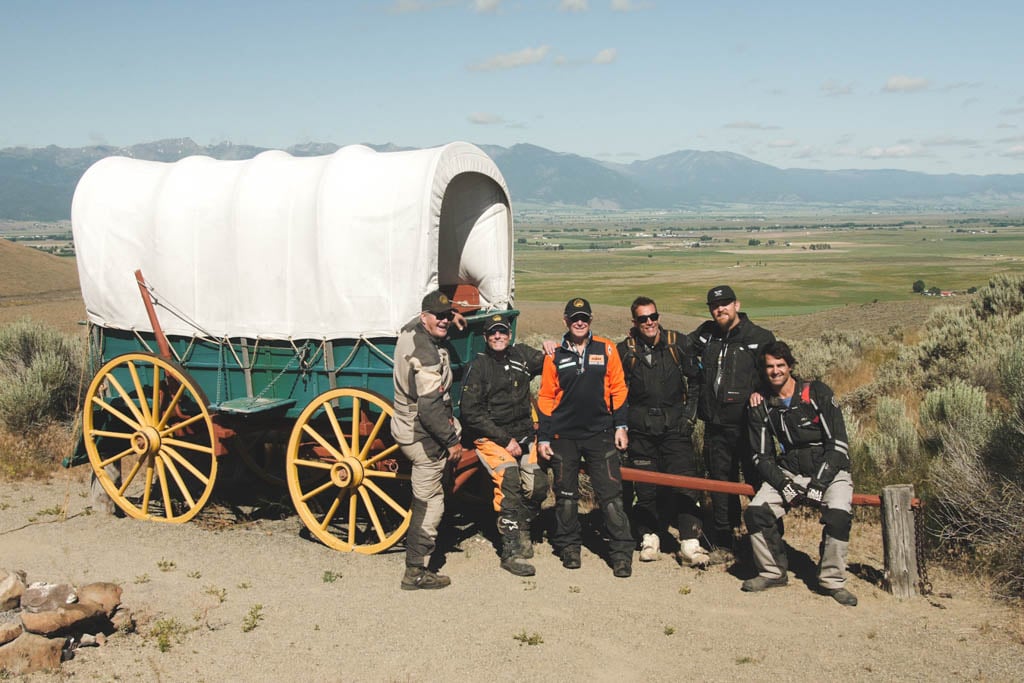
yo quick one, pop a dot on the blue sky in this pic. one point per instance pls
(922, 86)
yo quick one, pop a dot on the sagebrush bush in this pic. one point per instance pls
(960, 409)
(981, 512)
(41, 376)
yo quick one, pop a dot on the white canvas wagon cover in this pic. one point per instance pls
(336, 246)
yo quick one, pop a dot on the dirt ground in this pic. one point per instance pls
(325, 615)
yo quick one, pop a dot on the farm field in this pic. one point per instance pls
(860, 265)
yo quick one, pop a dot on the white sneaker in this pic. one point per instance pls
(692, 554)
(650, 548)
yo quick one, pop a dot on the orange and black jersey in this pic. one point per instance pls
(581, 394)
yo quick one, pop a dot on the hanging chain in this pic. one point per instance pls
(924, 586)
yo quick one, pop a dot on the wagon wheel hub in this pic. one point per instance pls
(146, 441)
(347, 473)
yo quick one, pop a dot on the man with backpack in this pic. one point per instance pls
(812, 469)
(727, 348)
(659, 365)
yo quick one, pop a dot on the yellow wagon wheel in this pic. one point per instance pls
(345, 475)
(150, 438)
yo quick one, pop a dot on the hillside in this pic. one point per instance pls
(40, 286)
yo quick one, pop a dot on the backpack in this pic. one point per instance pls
(670, 340)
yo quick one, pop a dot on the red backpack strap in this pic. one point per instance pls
(805, 392)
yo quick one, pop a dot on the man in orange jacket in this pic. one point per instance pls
(582, 405)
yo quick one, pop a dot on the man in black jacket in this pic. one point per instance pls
(812, 469)
(727, 349)
(658, 365)
(496, 413)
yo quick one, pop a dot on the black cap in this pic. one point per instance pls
(722, 294)
(497, 321)
(436, 302)
(577, 305)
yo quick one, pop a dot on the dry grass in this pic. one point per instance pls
(35, 455)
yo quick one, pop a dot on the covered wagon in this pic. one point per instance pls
(272, 292)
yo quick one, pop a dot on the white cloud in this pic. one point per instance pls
(749, 125)
(783, 143)
(606, 56)
(573, 5)
(1012, 111)
(486, 6)
(511, 60)
(949, 141)
(484, 118)
(1017, 152)
(629, 6)
(1016, 138)
(835, 89)
(893, 152)
(905, 84)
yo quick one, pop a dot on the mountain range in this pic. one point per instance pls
(38, 183)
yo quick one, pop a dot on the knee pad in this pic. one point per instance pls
(837, 524)
(540, 487)
(759, 518)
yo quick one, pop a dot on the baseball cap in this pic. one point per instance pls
(497, 321)
(436, 302)
(577, 305)
(722, 294)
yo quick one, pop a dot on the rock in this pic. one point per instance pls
(103, 593)
(9, 631)
(12, 587)
(63, 618)
(47, 597)
(29, 653)
(123, 621)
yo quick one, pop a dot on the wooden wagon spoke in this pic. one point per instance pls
(181, 460)
(317, 491)
(164, 489)
(352, 501)
(140, 392)
(322, 441)
(365, 450)
(338, 433)
(314, 464)
(181, 425)
(169, 410)
(146, 491)
(381, 534)
(128, 400)
(381, 474)
(385, 497)
(127, 479)
(115, 458)
(110, 435)
(190, 446)
(116, 413)
(329, 515)
(168, 466)
(386, 453)
(355, 423)
(156, 391)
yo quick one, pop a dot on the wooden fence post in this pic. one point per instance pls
(899, 540)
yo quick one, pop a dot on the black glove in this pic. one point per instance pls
(792, 492)
(815, 491)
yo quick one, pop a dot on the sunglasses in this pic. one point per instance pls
(653, 317)
(447, 315)
(496, 330)
(580, 317)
